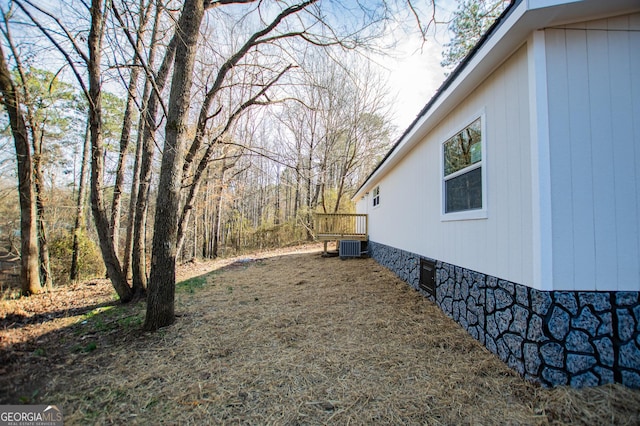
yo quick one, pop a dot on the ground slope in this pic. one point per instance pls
(276, 339)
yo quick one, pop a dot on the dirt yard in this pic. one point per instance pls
(275, 338)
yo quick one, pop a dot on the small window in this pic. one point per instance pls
(463, 180)
(376, 196)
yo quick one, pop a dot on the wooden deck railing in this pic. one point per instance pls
(341, 226)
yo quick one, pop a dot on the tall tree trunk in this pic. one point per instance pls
(82, 195)
(139, 286)
(43, 246)
(30, 268)
(296, 198)
(309, 197)
(206, 228)
(125, 140)
(276, 218)
(125, 136)
(217, 217)
(135, 184)
(100, 216)
(162, 280)
(138, 255)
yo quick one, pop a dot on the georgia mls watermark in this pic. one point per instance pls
(30, 415)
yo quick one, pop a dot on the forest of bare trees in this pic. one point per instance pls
(190, 129)
(187, 129)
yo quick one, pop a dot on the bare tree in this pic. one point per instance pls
(151, 106)
(160, 300)
(30, 266)
(161, 289)
(144, 11)
(91, 58)
(80, 202)
(142, 145)
(36, 135)
(98, 205)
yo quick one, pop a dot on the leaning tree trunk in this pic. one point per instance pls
(30, 268)
(100, 216)
(135, 184)
(162, 280)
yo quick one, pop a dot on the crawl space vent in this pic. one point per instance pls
(428, 276)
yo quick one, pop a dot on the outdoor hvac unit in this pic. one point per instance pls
(349, 248)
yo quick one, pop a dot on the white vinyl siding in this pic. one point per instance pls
(593, 74)
(410, 217)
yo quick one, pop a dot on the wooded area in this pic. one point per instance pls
(196, 129)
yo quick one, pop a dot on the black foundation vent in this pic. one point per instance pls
(428, 276)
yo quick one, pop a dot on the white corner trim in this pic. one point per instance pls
(540, 163)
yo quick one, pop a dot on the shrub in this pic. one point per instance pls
(90, 262)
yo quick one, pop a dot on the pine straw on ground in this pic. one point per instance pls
(290, 339)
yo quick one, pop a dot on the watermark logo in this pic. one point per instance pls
(30, 415)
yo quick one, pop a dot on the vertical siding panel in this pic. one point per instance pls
(512, 185)
(634, 41)
(525, 167)
(626, 143)
(584, 256)
(617, 23)
(603, 167)
(497, 145)
(560, 153)
(635, 90)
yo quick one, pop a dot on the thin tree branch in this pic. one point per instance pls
(79, 51)
(64, 53)
(139, 55)
(224, 70)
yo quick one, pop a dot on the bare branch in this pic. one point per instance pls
(138, 55)
(57, 45)
(210, 4)
(71, 38)
(224, 70)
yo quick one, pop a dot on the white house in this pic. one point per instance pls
(517, 189)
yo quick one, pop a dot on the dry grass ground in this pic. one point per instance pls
(276, 339)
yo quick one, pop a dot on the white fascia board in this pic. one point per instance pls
(561, 12)
(539, 4)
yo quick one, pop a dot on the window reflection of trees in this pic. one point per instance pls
(458, 149)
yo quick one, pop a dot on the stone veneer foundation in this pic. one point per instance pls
(553, 337)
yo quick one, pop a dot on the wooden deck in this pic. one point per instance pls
(341, 226)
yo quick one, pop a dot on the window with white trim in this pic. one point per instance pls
(463, 177)
(376, 196)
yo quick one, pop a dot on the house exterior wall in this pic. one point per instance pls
(410, 211)
(593, 77)
(549, 280)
